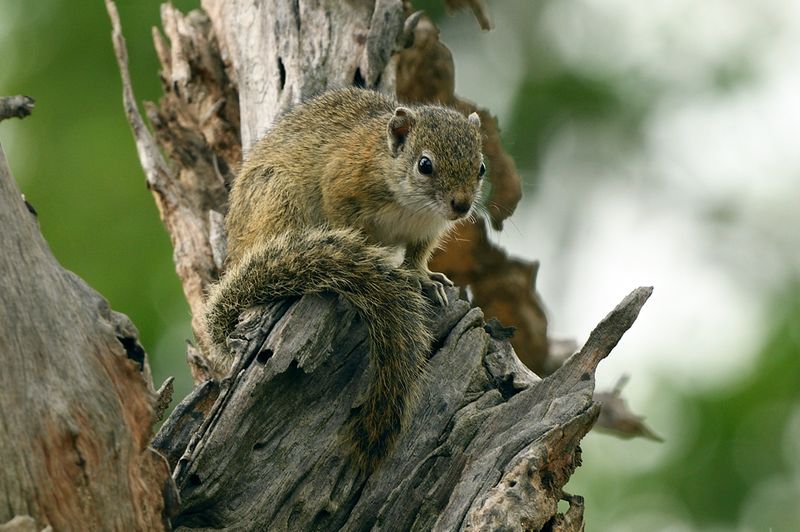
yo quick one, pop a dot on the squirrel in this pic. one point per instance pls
(324, 202)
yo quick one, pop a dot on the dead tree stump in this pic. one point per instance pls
(490, 445)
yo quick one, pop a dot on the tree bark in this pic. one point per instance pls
(490, 445)
(76, 401)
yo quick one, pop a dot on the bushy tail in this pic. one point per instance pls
(387, 297)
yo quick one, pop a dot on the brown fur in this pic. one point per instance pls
(322, 204)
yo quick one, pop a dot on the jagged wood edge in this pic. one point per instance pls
(490, 444)
(284, 104)
(197, 127)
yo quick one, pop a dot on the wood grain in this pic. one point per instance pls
(76, 401)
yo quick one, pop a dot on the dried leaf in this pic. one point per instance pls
(478, 8)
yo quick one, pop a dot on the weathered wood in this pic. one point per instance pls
(490, 445)
(196, 126)
(76, 401)
(282, 53)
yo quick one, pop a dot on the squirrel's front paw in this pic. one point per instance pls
(433, 284)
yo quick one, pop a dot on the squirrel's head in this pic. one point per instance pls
(438, 156)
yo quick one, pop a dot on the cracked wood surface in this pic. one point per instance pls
(76, 400)
(283, 53)
(489, 447)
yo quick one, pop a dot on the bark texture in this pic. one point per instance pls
(490, 445)
(76, 400)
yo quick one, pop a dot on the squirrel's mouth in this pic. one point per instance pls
(455, 216)
(459, 207)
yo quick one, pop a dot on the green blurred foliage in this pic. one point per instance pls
(740, 429)
(552, 94)
(734, 463)
(76, 162)
(545, 102)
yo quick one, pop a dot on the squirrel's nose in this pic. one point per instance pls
(460, 206)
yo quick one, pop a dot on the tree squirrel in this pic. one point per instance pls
(324, 202)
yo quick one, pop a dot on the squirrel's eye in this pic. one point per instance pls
(425, 166)
(481, 170)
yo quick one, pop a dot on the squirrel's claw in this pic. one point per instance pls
(433, 286)
(440, 278)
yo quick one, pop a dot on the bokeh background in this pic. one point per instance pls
(660, 145)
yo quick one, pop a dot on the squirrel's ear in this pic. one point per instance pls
(475, 120)
(399, 127)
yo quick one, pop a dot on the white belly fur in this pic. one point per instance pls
(398, 226)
